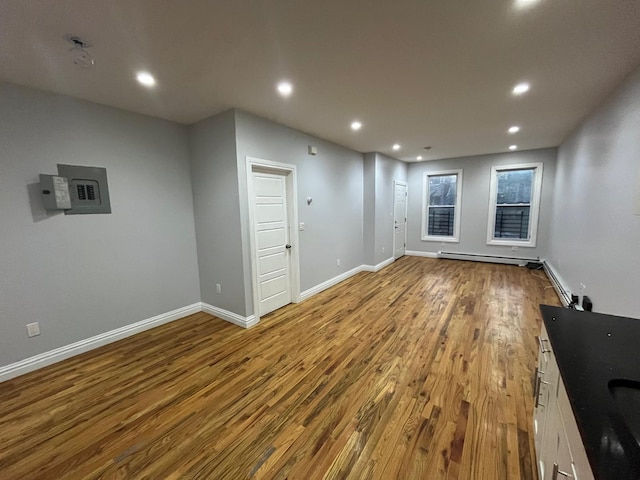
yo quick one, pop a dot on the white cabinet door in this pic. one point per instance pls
(563, 465)
(580, 463)
(540, 399)
(546, 412)
(548, 444)
(559, 449)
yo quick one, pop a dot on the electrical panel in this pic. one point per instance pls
(55, 192)
(88, 189)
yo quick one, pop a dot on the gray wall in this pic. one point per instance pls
(333, 178)
(217, 211)
(387, 170)
(596, 218)
(83, 275)
(369, 218)
(476, 180)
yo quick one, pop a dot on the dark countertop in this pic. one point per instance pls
(591, 349)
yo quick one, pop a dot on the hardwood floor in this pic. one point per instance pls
(421, 371)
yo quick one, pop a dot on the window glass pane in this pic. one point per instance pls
(512, 222)
(441, 221)
(442, 190)
(514, 186)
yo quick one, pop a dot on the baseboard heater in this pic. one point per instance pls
(487, 258)
(565, 296)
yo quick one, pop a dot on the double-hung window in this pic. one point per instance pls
(514, 204)
(442, 194)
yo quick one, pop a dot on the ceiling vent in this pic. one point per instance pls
(78, 51)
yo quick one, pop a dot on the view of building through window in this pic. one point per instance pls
(442, 203)
(513, 203)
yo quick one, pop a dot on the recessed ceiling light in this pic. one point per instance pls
(285, 89)
(514, 129)
(525, 3)
(396, 146)
(146, 79)
(513, 147)
(419, 157)
(356, 125)
(521, 88)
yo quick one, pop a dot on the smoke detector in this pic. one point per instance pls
(78, 51)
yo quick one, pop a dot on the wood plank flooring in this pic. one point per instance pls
(421, 371)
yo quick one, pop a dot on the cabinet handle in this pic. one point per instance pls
(542, 347)
(536, 389)
(557, 471)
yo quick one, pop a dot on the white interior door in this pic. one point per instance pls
(399, 218)
(271, 241)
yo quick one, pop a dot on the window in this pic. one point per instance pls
(514, 205)
(442, 193)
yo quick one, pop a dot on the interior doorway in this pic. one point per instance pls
(400, 192)
(273, 234)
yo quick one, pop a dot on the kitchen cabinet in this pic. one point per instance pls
(559, 449)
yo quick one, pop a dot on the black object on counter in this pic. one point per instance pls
(599, 360)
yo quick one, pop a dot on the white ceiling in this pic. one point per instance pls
(416, 72)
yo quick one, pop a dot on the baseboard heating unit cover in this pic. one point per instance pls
(476, 257)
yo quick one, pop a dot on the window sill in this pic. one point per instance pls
(441, 239)
(513, 243)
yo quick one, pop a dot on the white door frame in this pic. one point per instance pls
(406, 207)
(289, 173)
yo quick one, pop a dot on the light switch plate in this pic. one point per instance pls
(33, 329)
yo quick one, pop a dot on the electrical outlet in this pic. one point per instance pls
(338, 263)
(382, 249)
(33, 329)
(514, 248)
(301, 226)
(218, 288)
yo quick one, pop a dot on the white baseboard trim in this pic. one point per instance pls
(559, 285)
(415, 253)
(41, 360)
(378, 267)
(330, 283)
(244, 322)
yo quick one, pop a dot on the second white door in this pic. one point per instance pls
(272, 241)
(399, 218)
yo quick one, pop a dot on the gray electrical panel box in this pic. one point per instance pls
(55, 192)
(88, 189)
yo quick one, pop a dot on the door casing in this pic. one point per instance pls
(288, 171)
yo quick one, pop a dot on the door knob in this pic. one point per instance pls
(287, 246)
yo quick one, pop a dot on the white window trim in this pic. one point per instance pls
(534, 210)
(425, 198)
